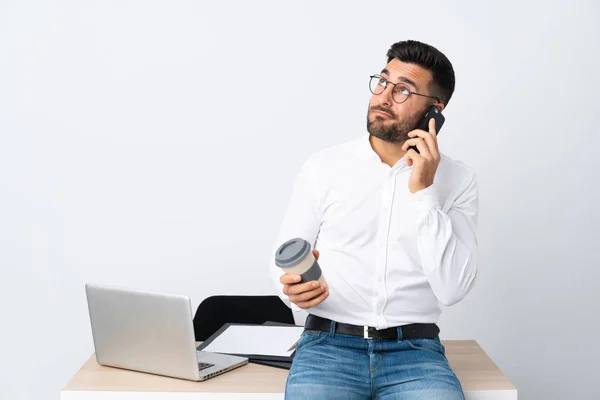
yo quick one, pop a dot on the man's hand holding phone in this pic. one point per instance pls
(305, 294)
(426, 161)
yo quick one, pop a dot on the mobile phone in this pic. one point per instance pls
(434, 113)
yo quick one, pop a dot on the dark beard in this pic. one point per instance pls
(396, 132)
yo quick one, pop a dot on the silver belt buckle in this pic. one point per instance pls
(366, 332)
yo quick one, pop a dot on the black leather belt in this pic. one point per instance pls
(412, 331)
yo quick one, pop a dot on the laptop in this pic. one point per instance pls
(150, 332)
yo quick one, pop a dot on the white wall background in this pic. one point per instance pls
(150, 144)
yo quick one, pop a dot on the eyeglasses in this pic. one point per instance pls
(400, 92)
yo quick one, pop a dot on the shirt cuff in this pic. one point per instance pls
(427, 199)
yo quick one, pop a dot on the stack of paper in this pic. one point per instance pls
(264, 344)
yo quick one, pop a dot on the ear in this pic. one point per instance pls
(440, 106)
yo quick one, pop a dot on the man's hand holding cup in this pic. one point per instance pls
(302, 281)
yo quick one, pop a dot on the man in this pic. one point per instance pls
(395, 232)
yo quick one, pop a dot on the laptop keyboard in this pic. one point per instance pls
(202, 366)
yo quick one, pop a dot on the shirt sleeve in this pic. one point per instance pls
(447, 242)
(302, 219)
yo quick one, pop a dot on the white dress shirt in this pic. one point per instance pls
(389, 256)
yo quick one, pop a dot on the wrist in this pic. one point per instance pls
(421, 186)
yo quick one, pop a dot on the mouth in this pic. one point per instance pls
(381, 113)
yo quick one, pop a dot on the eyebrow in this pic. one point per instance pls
(401, 79)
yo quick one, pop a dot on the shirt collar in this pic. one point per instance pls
(365, 151)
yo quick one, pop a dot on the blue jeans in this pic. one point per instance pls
(334, 366)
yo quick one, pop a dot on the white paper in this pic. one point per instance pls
(263, 340)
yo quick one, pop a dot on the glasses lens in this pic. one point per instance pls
(400, 93)
(377, 84)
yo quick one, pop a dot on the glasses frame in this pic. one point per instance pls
(410, 92)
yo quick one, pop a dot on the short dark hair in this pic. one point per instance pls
(426, 56)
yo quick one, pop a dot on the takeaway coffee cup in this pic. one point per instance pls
(295, 257)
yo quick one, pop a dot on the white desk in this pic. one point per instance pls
(479, 376)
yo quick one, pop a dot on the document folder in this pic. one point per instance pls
(270, 344)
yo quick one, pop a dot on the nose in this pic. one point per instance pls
(385, 98)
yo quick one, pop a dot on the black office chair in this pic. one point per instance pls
(216, 311)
